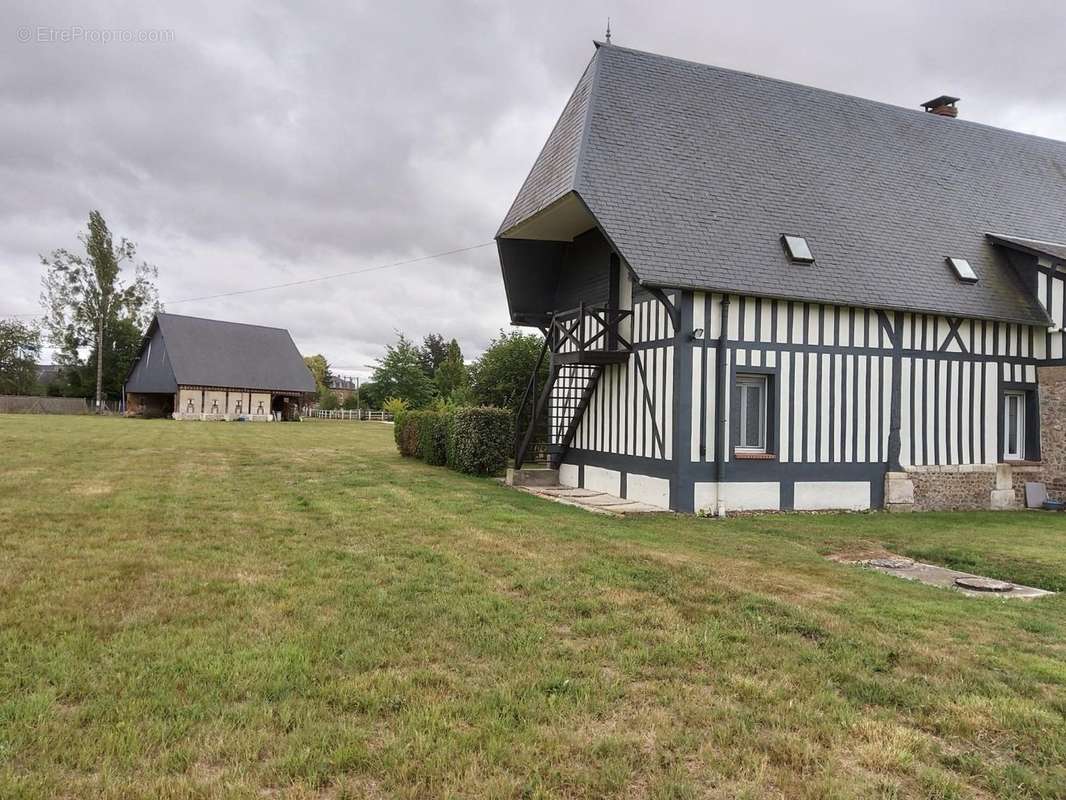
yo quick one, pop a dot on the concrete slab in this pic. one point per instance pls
(596, 502)
(565, 491)
(932, 575)
(605, 500)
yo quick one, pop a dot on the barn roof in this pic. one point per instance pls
(209, 352)
(694, 172)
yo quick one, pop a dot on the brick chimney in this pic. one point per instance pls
(944, 106)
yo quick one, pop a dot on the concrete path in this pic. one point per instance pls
(932, 575)
(597, 502)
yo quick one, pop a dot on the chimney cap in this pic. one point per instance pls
(940, 102)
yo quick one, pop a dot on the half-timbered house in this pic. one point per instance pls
(760, 295)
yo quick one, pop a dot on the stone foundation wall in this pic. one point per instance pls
(953, 488)
(1021, 475)
(1052, 382)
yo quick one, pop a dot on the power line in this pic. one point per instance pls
(317, 279)
(333, 275)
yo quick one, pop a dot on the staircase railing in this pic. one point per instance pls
(588, 327)
(529, 398)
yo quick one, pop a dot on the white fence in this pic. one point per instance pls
(375, 416)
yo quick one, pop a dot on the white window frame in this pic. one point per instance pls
(1018, 454)
(744, 382)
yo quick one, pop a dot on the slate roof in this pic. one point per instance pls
(693, 172)
(209, 352)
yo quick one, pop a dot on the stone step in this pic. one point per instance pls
(532, 476)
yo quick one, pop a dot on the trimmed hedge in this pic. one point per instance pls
(405, 432)
(477, 441)
(482, 440)
(433, 437)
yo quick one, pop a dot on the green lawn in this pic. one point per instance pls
(227, 610)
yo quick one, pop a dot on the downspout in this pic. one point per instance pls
(720, 383)
(895, 407)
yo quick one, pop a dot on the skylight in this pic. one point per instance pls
(797, 249)
(963, 271)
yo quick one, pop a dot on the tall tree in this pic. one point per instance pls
(451, 374)
(20, 348)
(500, 376)
(319, 367)
(85, 297)
(433, 352)
(400, 373)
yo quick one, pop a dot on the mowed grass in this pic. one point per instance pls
(201, 610)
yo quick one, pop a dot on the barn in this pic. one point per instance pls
(757, 295)
(206, 369)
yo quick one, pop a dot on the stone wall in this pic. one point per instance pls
(953, 488)
(1053, 429)
(1021, 475)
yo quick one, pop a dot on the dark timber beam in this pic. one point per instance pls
(721, 384)
(671, 309)
(683, 486)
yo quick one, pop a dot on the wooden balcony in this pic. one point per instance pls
(589, 334)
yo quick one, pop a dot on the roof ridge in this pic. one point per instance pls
(586, 124)
(222, 321)
(544, 147)
(784, 82)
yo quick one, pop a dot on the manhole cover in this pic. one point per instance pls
(984, 584)
(891, 563)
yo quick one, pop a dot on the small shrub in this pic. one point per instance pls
(351, 403)
(395, 406)
(483, 438)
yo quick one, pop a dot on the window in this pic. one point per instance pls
(797, 249)
(1014, 422)
(751, 409)
(963, 271)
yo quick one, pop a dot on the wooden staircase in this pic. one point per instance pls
(581, 342)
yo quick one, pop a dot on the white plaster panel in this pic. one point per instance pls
(608, 481)
(739, 496)
(568, 475)
(844, 495)
(648, 489)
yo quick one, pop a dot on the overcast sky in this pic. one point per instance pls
(264, 142)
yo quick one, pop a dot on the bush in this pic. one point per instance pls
(405, 431)
(482, 440)
(395, 406)
(351, 403)
(433, 436)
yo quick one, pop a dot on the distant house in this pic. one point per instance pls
(193, 368)
(759, 295)
(342, 387)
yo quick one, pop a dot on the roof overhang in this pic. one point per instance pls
(1056, 251)
(560, 221)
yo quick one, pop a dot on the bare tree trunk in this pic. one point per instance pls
(100, 364)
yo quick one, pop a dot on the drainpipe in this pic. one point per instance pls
(720, 381)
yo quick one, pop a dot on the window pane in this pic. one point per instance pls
(753, 416)
(1013, 402)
